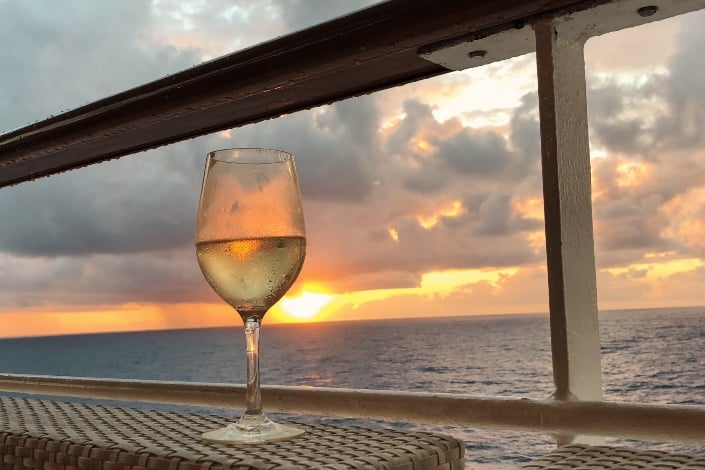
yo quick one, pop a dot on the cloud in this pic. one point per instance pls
(499, 218)
(137, 204)
(659, 108)
(58, 57)
(299, 14)
(164, 277)
(220, 27)
(642, 207)
(524, 126)
(648, 126)
(354, 193)
(335, 147)
(685, 90)
(393, 187)
(479, 155)
(213, 28)
(61, 60)
(457, 221)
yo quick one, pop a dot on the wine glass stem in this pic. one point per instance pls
(253, 398)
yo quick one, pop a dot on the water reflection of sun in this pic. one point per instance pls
(304, 306)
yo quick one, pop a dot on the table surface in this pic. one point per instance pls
(54, 435)
(585, 457)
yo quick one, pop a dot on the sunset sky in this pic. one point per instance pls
(419, 201)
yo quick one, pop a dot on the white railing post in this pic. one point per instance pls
(567, 196)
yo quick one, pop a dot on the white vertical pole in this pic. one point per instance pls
(568, 213)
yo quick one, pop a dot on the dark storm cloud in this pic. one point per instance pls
(66, 57)
(652, 131)
(336, 147)
(424, 183)
(102, 280)
(418, 120)
(497, 218)
(605, 100)
(637, 233)
(624, 118)
(685, 88)
(417, 116)
(524, 129)
(622, 136)
(141, 203)
(299, 14)
(387, 279)
(63, 55)
(477, 155)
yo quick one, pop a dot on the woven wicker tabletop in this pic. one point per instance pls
(583, 457)
(52, 435)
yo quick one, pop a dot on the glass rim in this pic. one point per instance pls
(254, 155)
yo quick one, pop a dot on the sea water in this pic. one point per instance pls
(655, 356)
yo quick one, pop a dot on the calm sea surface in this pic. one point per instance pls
(647, 356)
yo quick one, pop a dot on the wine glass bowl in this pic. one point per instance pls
(250, 245)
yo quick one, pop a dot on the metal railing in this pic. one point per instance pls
(684, 423)
(587, 418)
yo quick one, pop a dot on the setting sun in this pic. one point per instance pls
(306, 305)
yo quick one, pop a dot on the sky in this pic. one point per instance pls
(424, 200)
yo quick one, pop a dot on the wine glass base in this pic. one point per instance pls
(236, 434)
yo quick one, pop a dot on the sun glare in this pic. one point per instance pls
(306, 305)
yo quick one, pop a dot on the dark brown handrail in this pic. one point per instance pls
(369, 50)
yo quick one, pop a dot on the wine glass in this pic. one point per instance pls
(251, 244)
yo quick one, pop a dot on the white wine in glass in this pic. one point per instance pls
(251, 244)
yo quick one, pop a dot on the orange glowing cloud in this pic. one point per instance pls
(450, 293)
(432, 286)
(659, 270)
(126, 317)
(630, 174)
(393, 234)
(686, 222)
(531, 208)
(452, 209)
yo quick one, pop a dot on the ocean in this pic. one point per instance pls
(655, 355)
